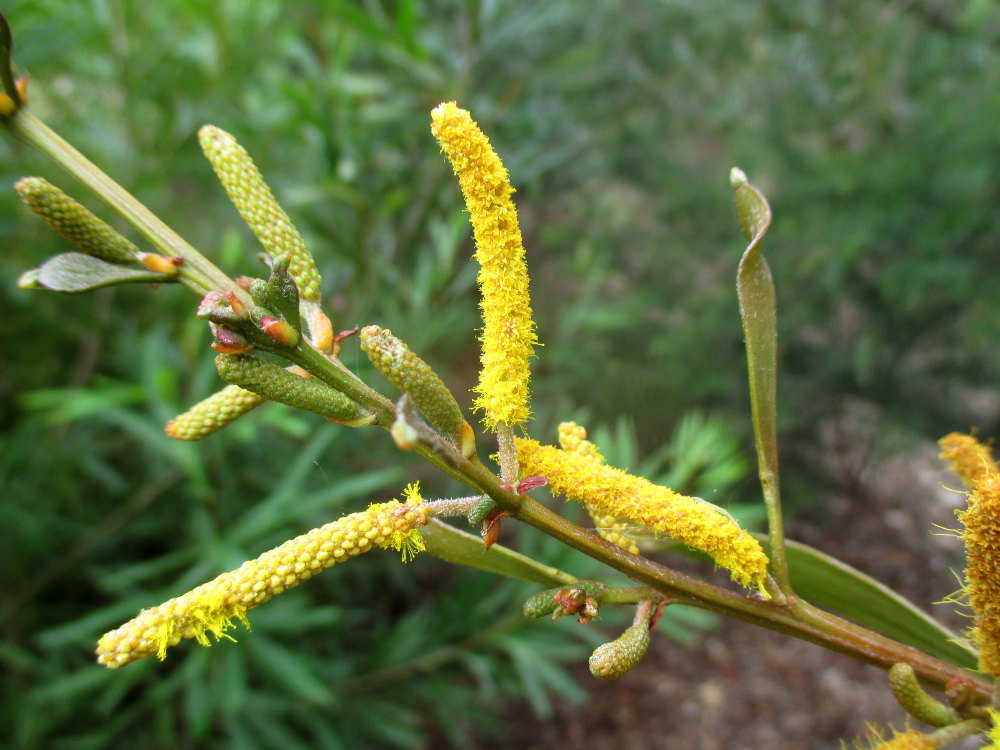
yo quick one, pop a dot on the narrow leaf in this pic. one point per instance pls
(462, 548)
(755, 290)
(76, 272)
(832, 584)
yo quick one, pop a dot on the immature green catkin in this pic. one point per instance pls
(215, 412)
(262, 213)
(916, 702)
(410, 374)
(612, 660)
(74, 222)
(277, 384)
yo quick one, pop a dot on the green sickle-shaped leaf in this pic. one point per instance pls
(76, 272)
(832, 584)
(755, 290)
(462, 548)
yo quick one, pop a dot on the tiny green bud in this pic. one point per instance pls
(542, 604)
(612, 660)
(273, 382)
(214, 413)
(282, 293)
(262, 213)
(222, 308)
(76, 223)
(916, 702)
(413, 376)
(480, 510)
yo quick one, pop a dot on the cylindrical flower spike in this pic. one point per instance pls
(258, 207)
(76, 223)
(688, 520)
(508, 330)
(982, 573)
(618, 657)
(969, 458)
(277, 384)
(410, 374)
(214, 413)
(916, 702)
(213, 607)
(573, 438)
(911, 740)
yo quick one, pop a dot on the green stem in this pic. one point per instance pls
(201, 273)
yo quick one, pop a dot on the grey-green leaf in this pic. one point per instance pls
(459, 547)
(76, 272)
(832, 584)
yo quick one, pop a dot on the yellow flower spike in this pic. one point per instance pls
(215, 412)
(573, 438)
(639, 501)
(214, 607)
(911, 740)
(969, 458)
(981, 536)
(508, 330)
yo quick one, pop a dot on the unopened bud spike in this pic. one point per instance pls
(273, 382)
(76, 223)
(612, 660)
(215, 412)
(413, 376)
(915, 701)
(262, 213)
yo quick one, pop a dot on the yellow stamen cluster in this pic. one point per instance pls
(262, 213)
(508, 330)
(639, 501)
(982, 573)
(969, 458)
(215, 412)
(911, 740)
(76, 223)
(573, 438)
(213, 607)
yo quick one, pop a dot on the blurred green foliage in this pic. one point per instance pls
(870, 128)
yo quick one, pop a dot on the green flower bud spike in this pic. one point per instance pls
(282, 293)
(413, 376)
(618, 657)
(277, 384)
(262, 213)
(215, 412)
(76, 223)
(916, 702)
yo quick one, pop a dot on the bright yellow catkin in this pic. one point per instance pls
(641, 502)
(969, 458)
(215, 412)
(573, 438)
(508, 331)
(911, 740)
(262, 213)
(981, 536)
(213, 607)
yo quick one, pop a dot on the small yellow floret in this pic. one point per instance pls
(213, 607)
(508, 330)
(573, 438)
(981, 536)
(639, 501)
(969, 458)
